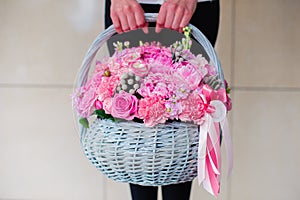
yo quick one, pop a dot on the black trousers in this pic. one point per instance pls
(206, 19)
(179, 191)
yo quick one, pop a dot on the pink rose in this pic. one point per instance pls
(139, 68)
(228, 103)
(83, 101)
(124, 105)
(130, 55)
(98, 105)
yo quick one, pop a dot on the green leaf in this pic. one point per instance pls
(84, 122)
(228, 90)
(138, 96)
(101, 113)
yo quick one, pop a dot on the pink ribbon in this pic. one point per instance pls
(209, 154)
(211, 94)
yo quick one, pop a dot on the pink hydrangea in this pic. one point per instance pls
(173, 108)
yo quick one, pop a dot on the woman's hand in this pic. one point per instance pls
(175, 14)
(127, 15)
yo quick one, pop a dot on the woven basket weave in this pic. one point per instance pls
(129, 151)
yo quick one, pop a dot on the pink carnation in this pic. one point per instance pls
(107, 105)
(193, 109)
(153, 111)
(124, 105)
(107, 87)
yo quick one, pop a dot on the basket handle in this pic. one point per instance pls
(110, 31)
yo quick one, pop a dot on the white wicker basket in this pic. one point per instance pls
(129, 151)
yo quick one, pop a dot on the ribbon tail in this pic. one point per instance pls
(211, 183)
(213, 161)
(201, 165)
(214, 135)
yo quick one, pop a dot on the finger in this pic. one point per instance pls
(116, 23)
(158, 28)
(170, 16)
(160, 20)
(124, 22)
(185, 19)
(140, 18)
(140, 21)
(177, 19)
(145, 28)
(131, 21)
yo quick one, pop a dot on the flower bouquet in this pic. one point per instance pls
(159, 89)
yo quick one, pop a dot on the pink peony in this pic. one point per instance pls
(124, 105)
(199, 61)
(189, 75)
(211, 70)
(155, 54)
(101, 67)
(156, 85)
